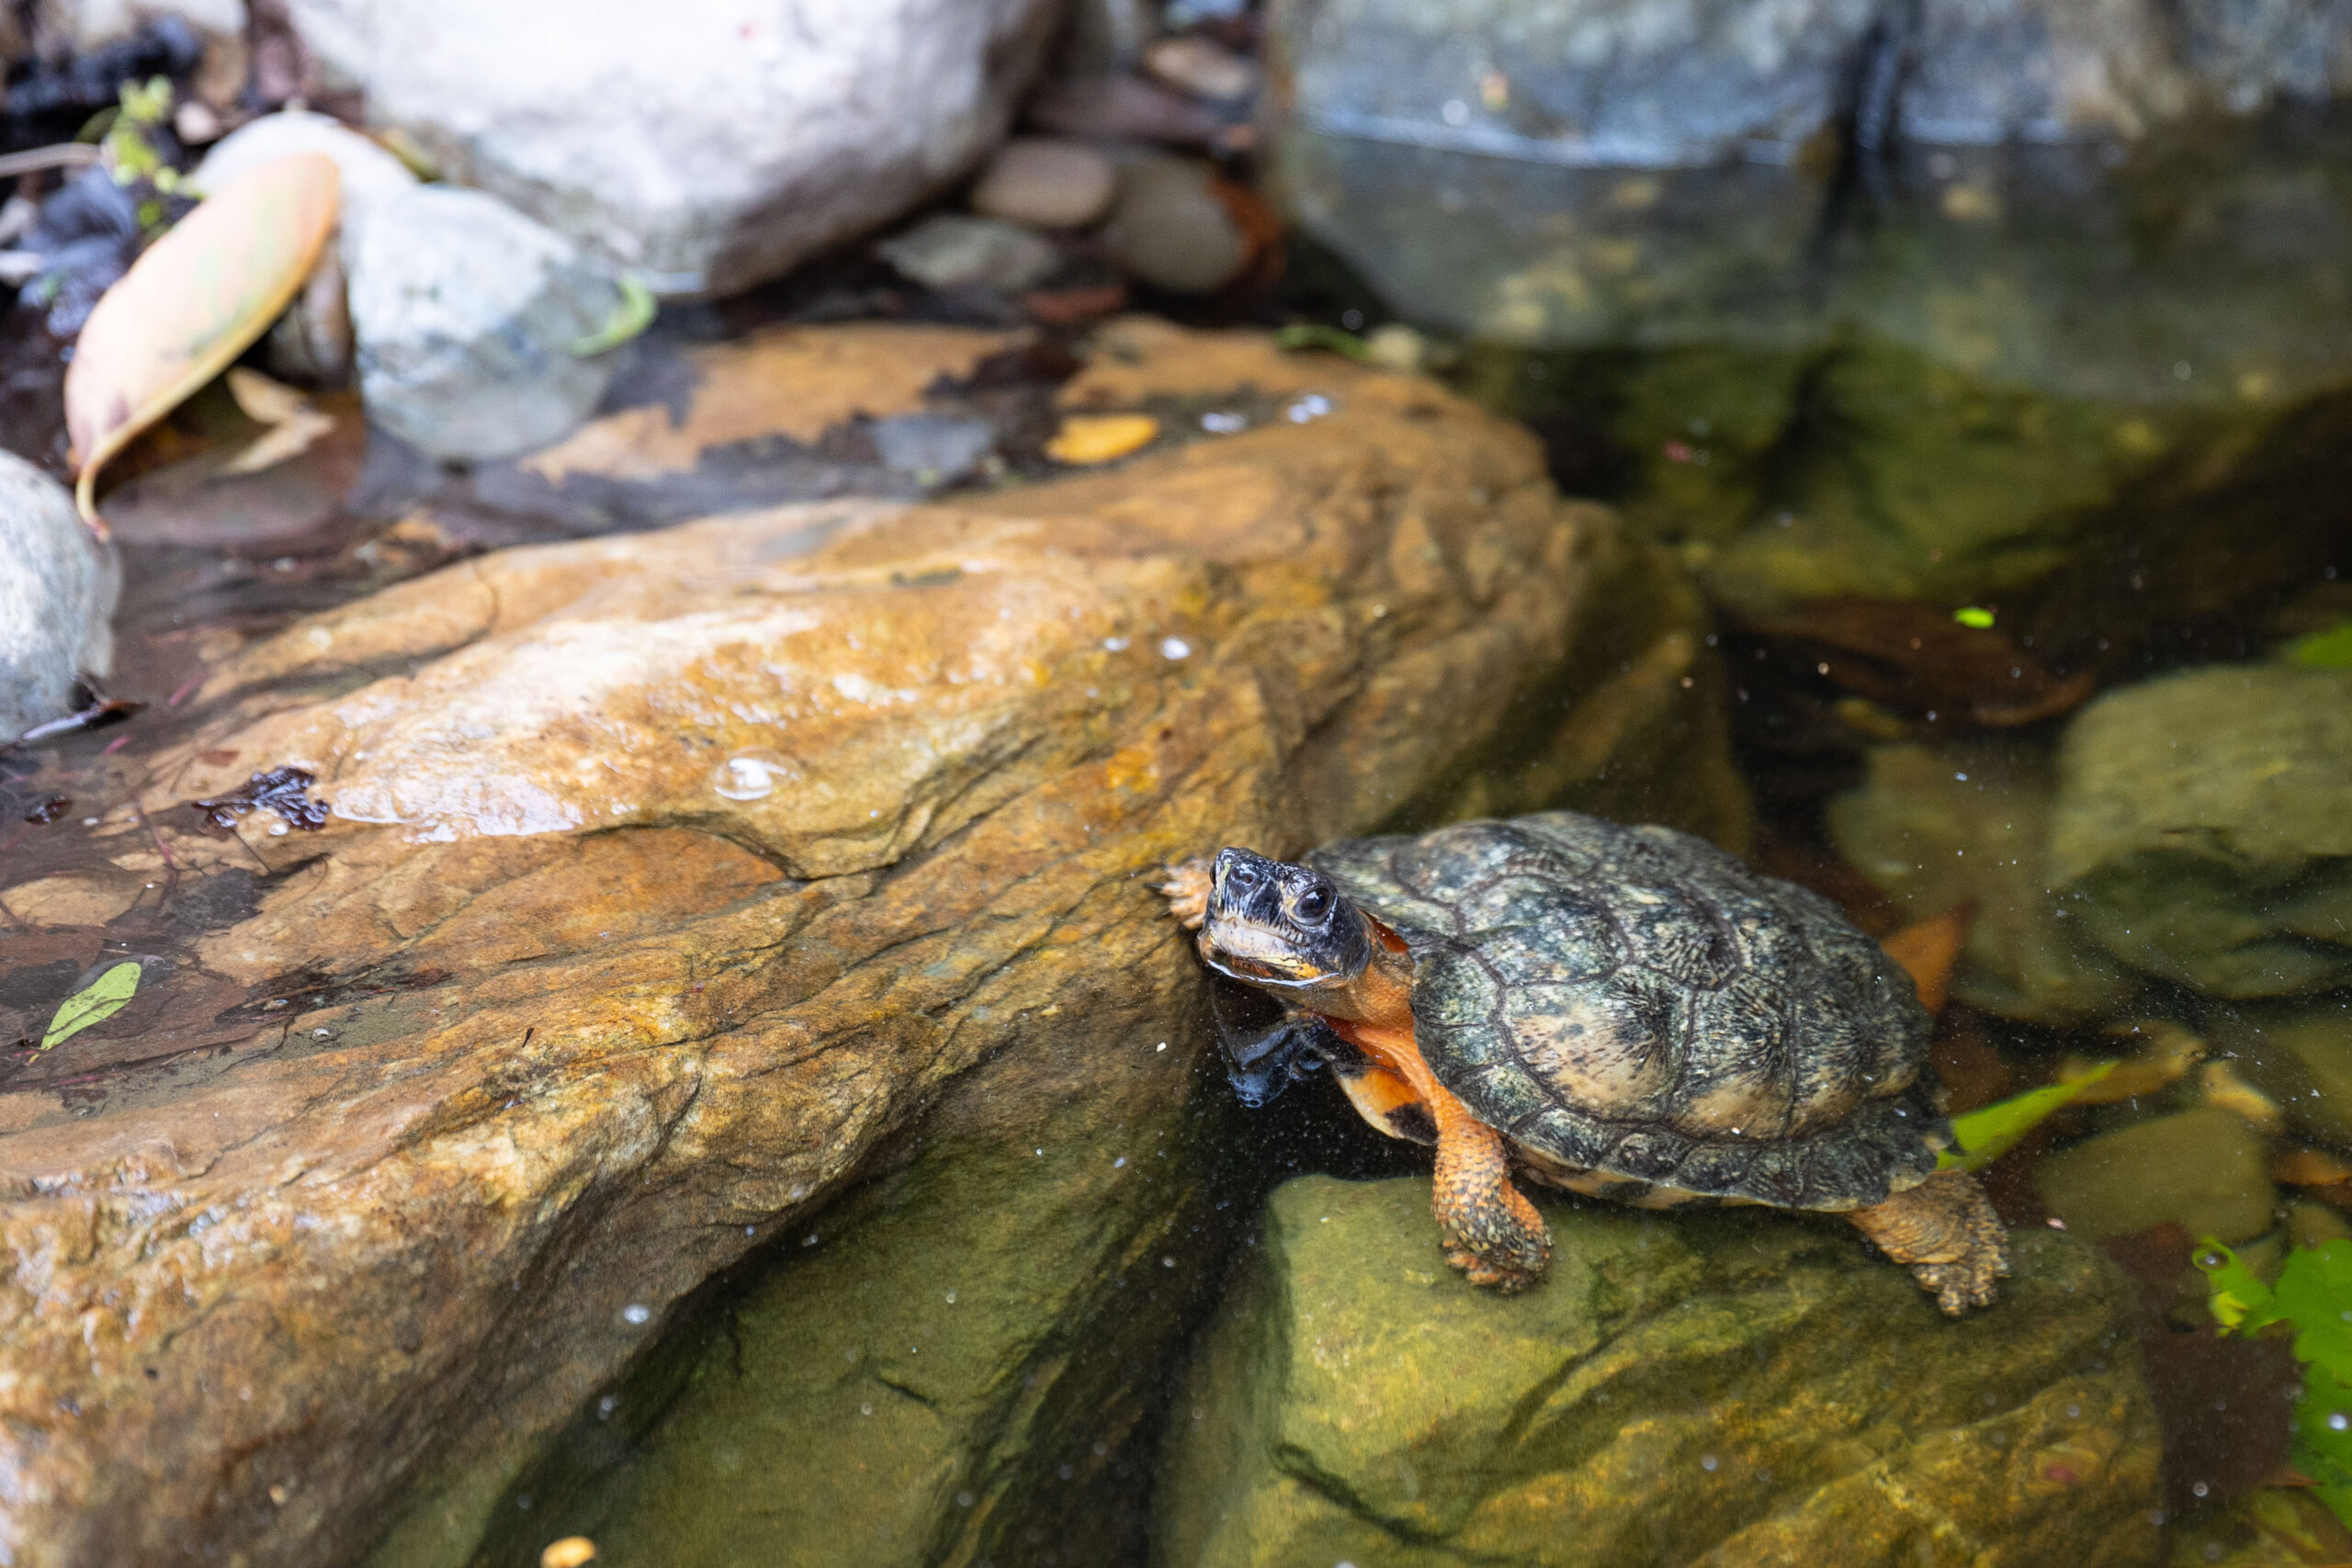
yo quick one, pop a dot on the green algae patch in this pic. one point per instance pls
(1724, 1388)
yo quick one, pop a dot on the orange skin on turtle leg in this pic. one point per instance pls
(1490, 1230)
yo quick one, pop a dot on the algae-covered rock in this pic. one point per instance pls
(2203, 828)
(2300, 1053)
(1937, 826)
(954, 1357)
(1727, 1389)
(2205, 1169)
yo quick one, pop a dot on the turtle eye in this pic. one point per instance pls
(1314, 906)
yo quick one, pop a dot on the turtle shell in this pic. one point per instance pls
(1634, 1003)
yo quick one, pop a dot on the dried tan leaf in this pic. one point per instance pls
(191, 304)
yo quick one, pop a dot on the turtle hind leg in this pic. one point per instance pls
(1945, 1233)
(1489, 1229)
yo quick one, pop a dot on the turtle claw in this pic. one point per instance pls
(1187, 891)
(1504, 1277)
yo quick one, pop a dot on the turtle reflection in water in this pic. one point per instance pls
(1626, 1013)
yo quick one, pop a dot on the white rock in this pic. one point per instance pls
(465, 313)
(80, 26)
(367, 170)
(57, 594)
(706, 143)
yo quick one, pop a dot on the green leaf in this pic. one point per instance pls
(1974, 617)
(2330, 650)
(95, 1003)
(632, 316)
(2240, 1299)
(2322, 1449)
(1310, 334)
(1985, 1134)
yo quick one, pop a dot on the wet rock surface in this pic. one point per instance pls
(709, 151)
(670, 881)
(2203, 824)
(1720, 1388)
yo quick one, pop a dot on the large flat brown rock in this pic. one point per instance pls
(545, 1027)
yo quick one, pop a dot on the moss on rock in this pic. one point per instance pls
(1726, 1388)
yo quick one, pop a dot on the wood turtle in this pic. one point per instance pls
(1626, 1013)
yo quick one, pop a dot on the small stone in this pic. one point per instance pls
(2205, 1170)
(1169, 229)
(57, 594)
(937, 448)
(1045, 184)
(466, 315)
(366, 171)
(1201, 67)
(949, 250)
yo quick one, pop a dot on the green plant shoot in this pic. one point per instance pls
(1974, 617)
(2330, 650)
(1310, 335)
(2314, 1296)
(1985, 1134)
(93, 1003)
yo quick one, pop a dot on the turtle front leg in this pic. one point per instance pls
(1947, 1233)
(1187, 891)
(1489, 1229)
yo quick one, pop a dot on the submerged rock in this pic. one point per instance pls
(1721, 1388)
(670, 881)
(1935, 828)
(57, 594)
(2301, 1053)
(468, 319)
(709, 151)
(2203, 828)
(2206, 1170)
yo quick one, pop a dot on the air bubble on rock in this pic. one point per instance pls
(1707, 1463)
(1168, 1263)
(1114, 644)
(2337, 1421)
(635, 1311)
(2201, 1489)
(1175, 648)
(751, 775)
(606, 1405)
(2074, 1413)
(1222, 423)
(965, 1499)
(865, 1409)
(1119, 1163)
(1313, 406)
(278, 829)
(951, 1298)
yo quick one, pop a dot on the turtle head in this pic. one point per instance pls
(1285, 928)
